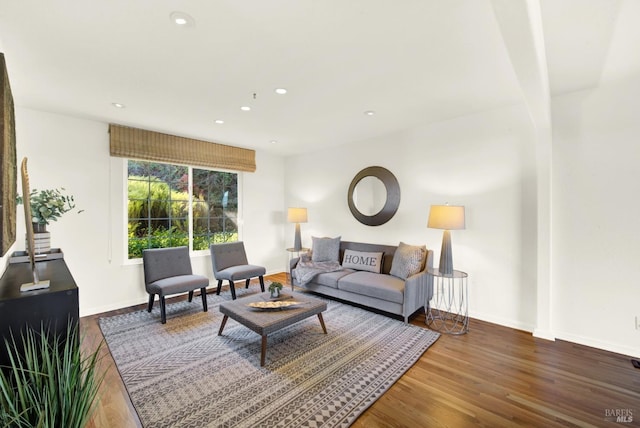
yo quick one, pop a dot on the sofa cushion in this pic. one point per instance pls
(360, 260)
(330, 279)
(325, 249)
(377, 285)
(408, 260)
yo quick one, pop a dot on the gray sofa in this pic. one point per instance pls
(381, 291)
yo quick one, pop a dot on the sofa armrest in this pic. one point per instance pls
(429, 265)
(293, 263)
(415, 289)
(418, 288)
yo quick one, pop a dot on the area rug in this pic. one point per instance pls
(182, 374)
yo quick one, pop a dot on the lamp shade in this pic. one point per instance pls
(447, 217)
(297, 215)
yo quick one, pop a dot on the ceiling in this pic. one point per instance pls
(411, 62)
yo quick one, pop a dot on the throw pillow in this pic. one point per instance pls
(360, 260)
(325, 249)
(408, 260)
(305, 257)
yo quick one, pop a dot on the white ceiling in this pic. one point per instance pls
(410, 61)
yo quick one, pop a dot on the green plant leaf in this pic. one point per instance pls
(48, 205)
(49, 382)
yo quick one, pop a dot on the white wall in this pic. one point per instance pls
(484, 161)
(487, 163)
(596, 214)
(73, 153)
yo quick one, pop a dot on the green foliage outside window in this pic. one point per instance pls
(159, 211)
(164, 238)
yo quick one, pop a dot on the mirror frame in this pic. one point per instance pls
(393, 196)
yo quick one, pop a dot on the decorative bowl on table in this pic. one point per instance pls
(273, 305)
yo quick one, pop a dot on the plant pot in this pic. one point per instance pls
(275, 293)
(39, 228)
(41, 239)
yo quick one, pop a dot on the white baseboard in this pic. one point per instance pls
(553, 335)
(544, 334)
(143, 300)
(606, 346)
(502, 321)
(112, 307)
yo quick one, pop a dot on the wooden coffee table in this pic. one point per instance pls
(265, 322)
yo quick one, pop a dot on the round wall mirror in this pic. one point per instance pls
(369, 195)
(374, 196)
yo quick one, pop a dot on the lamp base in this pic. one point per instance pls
(297, 241)
(446, 258)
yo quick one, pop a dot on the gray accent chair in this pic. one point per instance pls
(168, 271)
(230, 263)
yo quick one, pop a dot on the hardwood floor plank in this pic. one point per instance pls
(493, 376)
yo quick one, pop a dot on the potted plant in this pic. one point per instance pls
(274, 289)
(47, 206)
(50, 381)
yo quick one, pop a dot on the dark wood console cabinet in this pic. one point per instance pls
(52, 307)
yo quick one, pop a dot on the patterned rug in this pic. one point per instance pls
(182, 374)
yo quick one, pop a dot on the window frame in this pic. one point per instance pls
(190, 168)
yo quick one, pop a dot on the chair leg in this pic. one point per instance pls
(163, 310)
(233, 289)
(191, 295)
(151, 298)
(203, 294)
(219, 287)
(246, 283)
(261, 278)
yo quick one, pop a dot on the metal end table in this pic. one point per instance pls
(448, 310)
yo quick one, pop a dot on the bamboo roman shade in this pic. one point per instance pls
(137, 143)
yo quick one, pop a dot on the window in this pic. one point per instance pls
(174, 205)
(215, 208)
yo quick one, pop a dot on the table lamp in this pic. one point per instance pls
(297, 216)
(447, 217)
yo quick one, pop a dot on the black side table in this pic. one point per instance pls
(55, 308)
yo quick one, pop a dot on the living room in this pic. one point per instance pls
(547, 176)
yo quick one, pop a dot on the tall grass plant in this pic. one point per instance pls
(49, 383)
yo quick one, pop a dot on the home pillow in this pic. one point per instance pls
(407, 260)
(325, 249)
(360, 260)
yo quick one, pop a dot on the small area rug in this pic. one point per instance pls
(182, 374)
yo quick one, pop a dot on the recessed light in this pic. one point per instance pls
(369, 112)
(118, 105)
(245, 108)
(182, 19)
(273, 142)
(280, 91)
(219, 121)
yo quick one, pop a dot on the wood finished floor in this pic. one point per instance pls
(491, 377)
